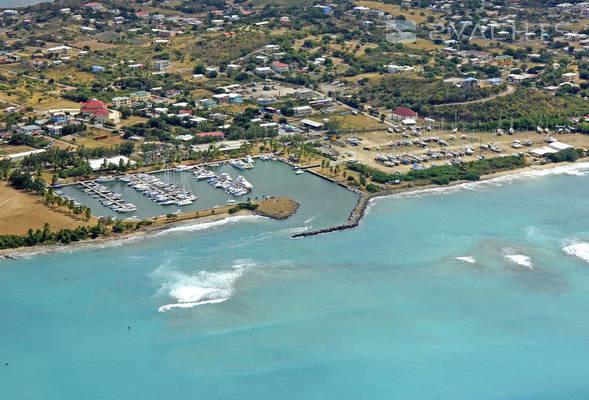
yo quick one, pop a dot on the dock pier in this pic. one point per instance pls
(117, 202)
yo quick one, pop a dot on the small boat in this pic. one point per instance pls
(244, 182)
(299, 171)
(241, 164)
(180, 168)
(104, 179)
(231, 202)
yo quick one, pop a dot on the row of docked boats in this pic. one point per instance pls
(247, 163)
(237, 187)
(66, 197)
(160, 192)
(267, 157)
(107, 197)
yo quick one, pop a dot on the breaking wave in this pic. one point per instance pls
(520, 259)
(580, 250)
(208, 225)
(205, 287)
(467, 259)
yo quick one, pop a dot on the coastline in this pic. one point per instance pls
(284, 209)
(355, 216)
(366, 200)
(112, 239)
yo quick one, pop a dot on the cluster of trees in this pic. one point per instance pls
(394, 91)
(566, 155)
(442, 175)
(46, 236)
(243, 206)
(20, 139)
(5, 166)
(75, 163)
(523, 103)
(51, 199)
(25, 181)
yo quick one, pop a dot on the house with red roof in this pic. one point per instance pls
(279, 67)
(142, 14)
(95, 108)
(402, 113)
(94, 6)
(101, 115)
(216, 134)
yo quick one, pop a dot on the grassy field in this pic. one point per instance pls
(93, 45)
(91, 143)
(351, 121)
(14, 149)
(395, 10)
(20, 211)
(55, 103)
(132, 120)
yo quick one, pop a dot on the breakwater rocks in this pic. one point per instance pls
(353, 220)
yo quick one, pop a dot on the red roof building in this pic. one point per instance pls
(218, 134)
(101, 113)
(93, 5)
(92, 106)
(279, 67)
(95, 108)
(402, 113)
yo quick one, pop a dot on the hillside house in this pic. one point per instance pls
(402, 113)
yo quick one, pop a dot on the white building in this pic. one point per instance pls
(121, 101)
(302, 111)
(233, 67)
(263, 71)
(162, 65)
(60, 50)
(96, 164)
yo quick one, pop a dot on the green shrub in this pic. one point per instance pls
(565, 155)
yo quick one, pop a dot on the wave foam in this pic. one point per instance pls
(467, 259)
(580, 250)
(206, 287)
(168, 307)
(213, 224)
(520, 259)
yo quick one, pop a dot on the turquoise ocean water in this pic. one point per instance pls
(21, 3)
(236, 309)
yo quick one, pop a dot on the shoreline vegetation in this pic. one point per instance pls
(107, 229)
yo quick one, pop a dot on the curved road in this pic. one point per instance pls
(510, 90)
